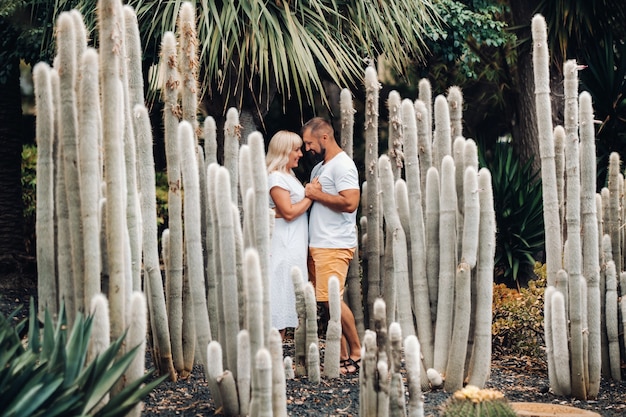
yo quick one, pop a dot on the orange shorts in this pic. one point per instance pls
(324, 263)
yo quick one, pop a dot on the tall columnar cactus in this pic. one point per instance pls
(215, 369)
(232, 138)
(401, 294)
(447, 264)
(244, 370)
(255, 323)
(546, 148)
(424, 144)
(153, 279)
(300, 331)
(228, 272)
(442, 139)
(415, 406)
(44, 226)
(137, 329)
(212, 205)
(311, 321)
(425, 95)
(559, 343)
(372, 87)
(261, 219)
(174, 198)
(133, 215)
(590, 249)
(89, 165)
(455, 106)
(419, 278)
(396, 134)
(112, 133)
(279, 395)
(263, 399)
(68, 134)
(480, 364)
(333, 330)
(613, 209)
(432, 237)
(347, 121)
(188, 62)
(574, 264)
(455, 372)
(612, 325)
(63, 246)
(397, 405)
(193, 239)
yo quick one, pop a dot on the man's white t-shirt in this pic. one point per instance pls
(329, 228)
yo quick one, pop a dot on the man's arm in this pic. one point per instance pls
(346, 201)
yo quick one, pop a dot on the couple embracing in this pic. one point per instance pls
(324, 243)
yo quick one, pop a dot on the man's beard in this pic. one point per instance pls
(316, 157)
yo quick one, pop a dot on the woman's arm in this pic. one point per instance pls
(284, 208)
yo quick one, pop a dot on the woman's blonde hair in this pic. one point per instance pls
(281, 144)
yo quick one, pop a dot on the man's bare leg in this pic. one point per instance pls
(351, 345)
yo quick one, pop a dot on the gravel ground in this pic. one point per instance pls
(520, 379)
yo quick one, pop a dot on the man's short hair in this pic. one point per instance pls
(319, 126)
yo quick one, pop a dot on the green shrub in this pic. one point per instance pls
(47, 375)
(517, 326)
(518, 204)
(29, 185)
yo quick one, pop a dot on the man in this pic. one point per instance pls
(334, 189)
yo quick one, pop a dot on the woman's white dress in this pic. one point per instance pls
(289, 248)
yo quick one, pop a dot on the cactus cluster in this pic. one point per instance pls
(428, 233)
(584, 236)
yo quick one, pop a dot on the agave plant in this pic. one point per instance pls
(519, 212)
(47, 374)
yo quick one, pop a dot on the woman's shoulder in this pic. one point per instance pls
(278, 178)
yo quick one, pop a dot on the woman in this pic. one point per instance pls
(289, 244)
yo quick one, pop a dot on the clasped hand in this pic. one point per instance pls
(313, 189)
